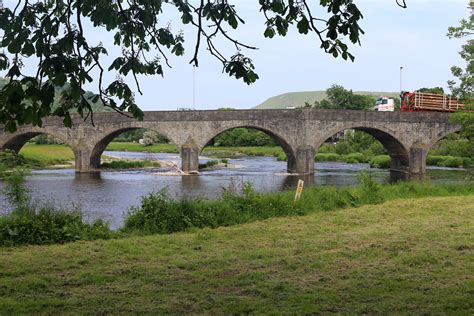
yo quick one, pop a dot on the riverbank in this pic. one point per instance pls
(407, 256)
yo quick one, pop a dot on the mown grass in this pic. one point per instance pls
(411, 256)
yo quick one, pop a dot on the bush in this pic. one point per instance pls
(433, 160)
(453, 162)
(381, 161)
(35, 224)
(447, 161)
(327, 157)
(282, 157)
(129, 164)
(354, 158)
(208, 164)
(48, 225)
(159, 213)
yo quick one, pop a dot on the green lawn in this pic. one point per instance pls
(219, 151)
(47, 155)
(413, 256)
(129, 146)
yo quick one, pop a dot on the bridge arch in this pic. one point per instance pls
(280, 140)
(17, 140)
(396, 149)
(104, 139)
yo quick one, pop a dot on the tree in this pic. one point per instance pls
(53, 34)
(149, 138)
(340, 98)
(464, 86)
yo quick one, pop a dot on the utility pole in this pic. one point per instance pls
(401, 69)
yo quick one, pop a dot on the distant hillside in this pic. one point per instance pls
(298, 99)
(96, 107)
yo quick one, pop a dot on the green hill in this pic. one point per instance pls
(298, 99)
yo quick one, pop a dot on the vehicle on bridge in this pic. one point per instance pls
(384, 104)
(421, 101)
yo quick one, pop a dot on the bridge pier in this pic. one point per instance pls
(190, 160)
(418, 161)
(83, 161)
(303, 160)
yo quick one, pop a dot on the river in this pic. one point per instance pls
(110, 194)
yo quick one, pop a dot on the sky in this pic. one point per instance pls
(413, 38)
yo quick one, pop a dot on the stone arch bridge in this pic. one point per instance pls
(407, 137)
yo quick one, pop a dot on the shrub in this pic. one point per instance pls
(28, 223)
(381, 161)
(433, 160)
(128, 164)
(354, 158)
(453, 162)
(327, 157)
(48, 225)
(282, 157)
(208, 164)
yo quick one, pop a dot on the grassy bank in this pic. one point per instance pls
(40, 156)
(129, 146)
(402, 257)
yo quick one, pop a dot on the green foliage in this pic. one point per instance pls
(453, 145)
(129, 164)
(209, 164)
(464, 87)
(447, 161)
(327, 157)
(36, 224)
(51, 34)
(10, 159)
(48, 225)
(159, 213)
(381, 161)
(243, 137)
(340, 98)
(355, 142)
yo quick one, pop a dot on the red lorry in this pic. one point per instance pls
(421, 101)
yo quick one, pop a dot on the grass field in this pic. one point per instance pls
(47, 155)
(129, 146)
(218, 151)
(412, 256)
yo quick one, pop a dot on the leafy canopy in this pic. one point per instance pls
(53, 35)
(464, 86)
(340, 98)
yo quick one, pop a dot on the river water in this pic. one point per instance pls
(110, 194)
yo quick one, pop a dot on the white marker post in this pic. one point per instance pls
(299, 190)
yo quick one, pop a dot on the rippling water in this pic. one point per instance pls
(109, 195)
